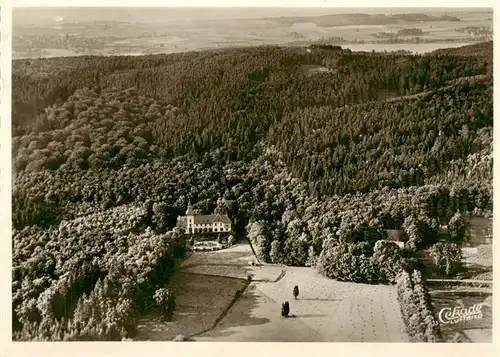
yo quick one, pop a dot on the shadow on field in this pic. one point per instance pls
(303, 316)
(239, 315)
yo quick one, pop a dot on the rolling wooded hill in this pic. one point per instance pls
(300, 148)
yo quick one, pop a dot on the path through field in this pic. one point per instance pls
(326, 310)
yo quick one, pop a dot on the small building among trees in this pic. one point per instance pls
(397, 236)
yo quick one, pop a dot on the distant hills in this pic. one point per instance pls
(366, 19)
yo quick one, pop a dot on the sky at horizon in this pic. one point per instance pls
(53, 15)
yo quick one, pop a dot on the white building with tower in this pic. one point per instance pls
(200, 223)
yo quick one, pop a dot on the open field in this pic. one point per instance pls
(201, 299)
(232, 262)
(478, 262)
(326, 310)
(204, 286)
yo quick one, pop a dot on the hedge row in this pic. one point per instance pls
(416, 308)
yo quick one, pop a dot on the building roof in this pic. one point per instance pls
(396, 235)
(211, 218)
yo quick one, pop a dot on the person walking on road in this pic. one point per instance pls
(285, 309)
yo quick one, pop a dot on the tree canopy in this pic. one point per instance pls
(313, 166)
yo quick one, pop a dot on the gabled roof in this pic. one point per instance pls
(211, 218)
(222, 218)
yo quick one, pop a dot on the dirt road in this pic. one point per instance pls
(326, 310)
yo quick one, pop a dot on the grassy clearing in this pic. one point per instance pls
(232, 262)
(478, 262)
(201, 299)
(326, 311)
(205, 285)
